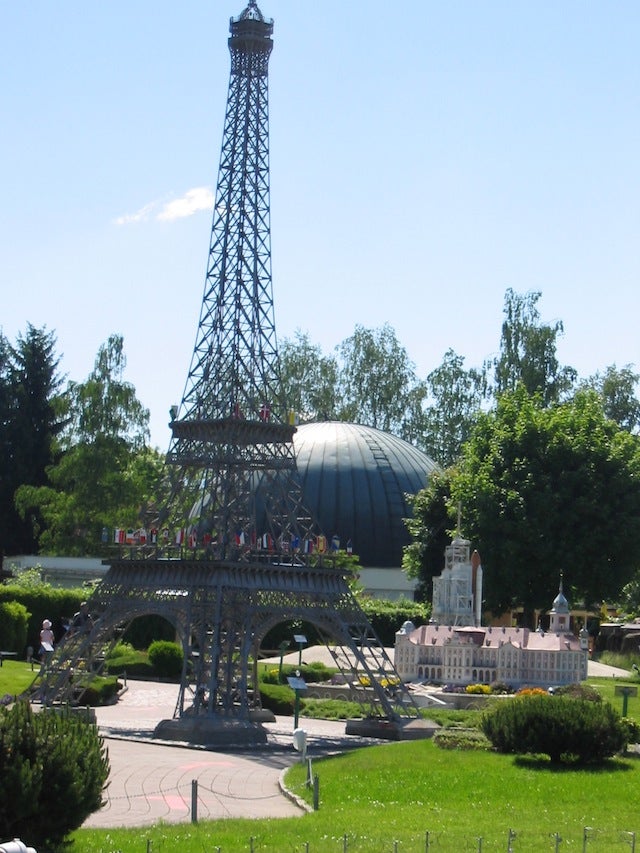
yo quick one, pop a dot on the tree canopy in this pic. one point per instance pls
(528, 351)
(309, 379)
(105, 472)
(545, 492)
(32, 416)
(456, 396)
(617, 390)
(376, 379)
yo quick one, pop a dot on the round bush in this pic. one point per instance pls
(565, 729)
(166, 658)
(54, 769)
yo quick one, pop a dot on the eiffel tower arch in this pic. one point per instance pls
(253, 557)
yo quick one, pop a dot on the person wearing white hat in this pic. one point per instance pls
(47, 639)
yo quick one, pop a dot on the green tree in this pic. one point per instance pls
(106, 473)
(309, 379)
(32, 412)
(546, 491)
(617, 390)
(456, 396)
(376, 379)
(528, 352)
(630, 597)
(429, 527)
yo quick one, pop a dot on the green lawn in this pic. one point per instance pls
(607, 686)
(16, 676)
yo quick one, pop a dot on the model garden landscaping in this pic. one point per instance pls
(450, 793)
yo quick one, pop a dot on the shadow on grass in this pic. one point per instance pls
(543, 762)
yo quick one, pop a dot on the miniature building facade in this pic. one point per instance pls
(457, 592)
(455, 649)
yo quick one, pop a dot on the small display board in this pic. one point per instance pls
(626, 690)
(300, 638)
(296, 683)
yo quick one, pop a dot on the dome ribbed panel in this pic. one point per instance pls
(354, 480)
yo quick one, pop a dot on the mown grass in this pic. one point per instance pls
(606, 687)
(16, 676)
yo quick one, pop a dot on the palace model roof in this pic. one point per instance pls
(494, 637)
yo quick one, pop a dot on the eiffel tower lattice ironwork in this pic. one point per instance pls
(233, 423)
(247, 568)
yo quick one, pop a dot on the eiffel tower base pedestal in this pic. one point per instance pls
(211, 731)
(392, 729)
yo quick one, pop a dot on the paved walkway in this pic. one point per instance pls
(152, 780)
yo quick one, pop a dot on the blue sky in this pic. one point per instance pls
(424, 158)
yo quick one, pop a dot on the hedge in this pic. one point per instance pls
(565, 729)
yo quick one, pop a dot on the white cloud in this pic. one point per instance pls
(193, 201)
(141, 215)
(199, 198)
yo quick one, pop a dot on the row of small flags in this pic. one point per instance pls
(141, 536)
(264, 414)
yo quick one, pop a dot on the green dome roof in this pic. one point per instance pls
(355, 480)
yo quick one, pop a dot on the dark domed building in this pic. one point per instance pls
(354, 481)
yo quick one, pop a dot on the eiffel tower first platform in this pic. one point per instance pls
(254, 557)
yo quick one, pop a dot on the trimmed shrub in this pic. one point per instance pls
(499, 688)
(459, 738)
(44, 602)
(166, 658)
(387, 617)
(277, 698)
(312, 673)
(579, 691)
(14, 619)
(98, 690)
(54, 770)
(564, 729)
(123, 658)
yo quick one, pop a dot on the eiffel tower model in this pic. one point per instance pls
(252, 557)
